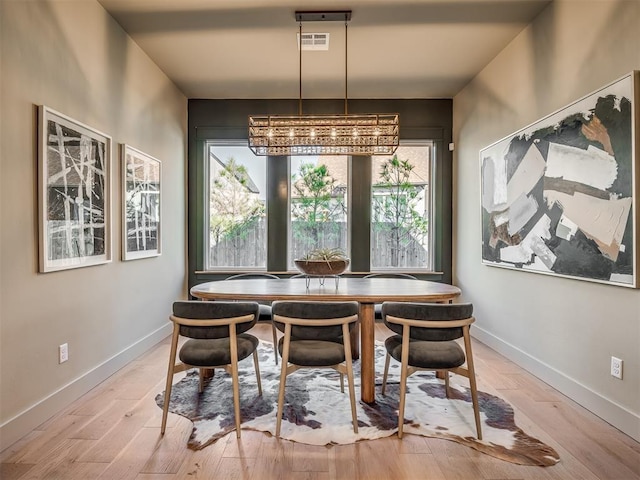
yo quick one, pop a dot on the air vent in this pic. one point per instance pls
(314, 41)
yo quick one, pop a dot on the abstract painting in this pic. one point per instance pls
(559, 196)
(74, 188)
(141, 208)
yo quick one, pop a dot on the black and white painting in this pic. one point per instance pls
(74, 193)
(141, 208)
(559, 196)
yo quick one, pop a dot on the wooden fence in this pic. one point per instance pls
(248, 249)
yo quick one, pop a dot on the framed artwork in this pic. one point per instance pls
(141, 212)
(560, 196)
(74, 190)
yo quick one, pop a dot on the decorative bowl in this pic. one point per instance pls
(322, 267)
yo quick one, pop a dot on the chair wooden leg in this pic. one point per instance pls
(234, 380)
(275, 341)
(256, 365)
(387, 360)
(403, 378)
(352, 393)
(167, 390)
(352, 398)
(283, 376)
(472, 380)
(403, 396)
(200, 380)
(446, 382)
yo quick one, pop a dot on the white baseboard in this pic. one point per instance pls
(17, 427)
(617, 415)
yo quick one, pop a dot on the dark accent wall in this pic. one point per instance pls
(420, 119)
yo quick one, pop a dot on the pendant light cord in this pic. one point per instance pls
(300, 70)
(345, 66)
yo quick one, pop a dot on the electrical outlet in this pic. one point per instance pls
(63, 353)
(616, 367)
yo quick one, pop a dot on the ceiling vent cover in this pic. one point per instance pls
(314, 41)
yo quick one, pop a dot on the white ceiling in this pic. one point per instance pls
(396, 48)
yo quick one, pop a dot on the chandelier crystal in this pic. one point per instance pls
(366, 134)
(340, 134)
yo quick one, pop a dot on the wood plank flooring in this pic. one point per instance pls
(113, 432)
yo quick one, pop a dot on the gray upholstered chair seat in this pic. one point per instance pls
(314, 353)
(265, 313)
(430, 355)
(211, 353)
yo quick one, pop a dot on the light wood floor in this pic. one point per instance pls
(113, 432)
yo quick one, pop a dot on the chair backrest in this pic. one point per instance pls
(252, 275)
(391, 275)
(427, 312)
(304, 314)
(198, 310)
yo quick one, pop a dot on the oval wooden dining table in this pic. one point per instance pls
(366, 291)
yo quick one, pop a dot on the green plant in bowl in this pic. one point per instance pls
(325, 254)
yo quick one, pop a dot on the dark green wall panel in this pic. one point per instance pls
(420, 119)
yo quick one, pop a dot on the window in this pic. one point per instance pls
(400, 229)
(236, 213)
(318, 204)
(401, 217)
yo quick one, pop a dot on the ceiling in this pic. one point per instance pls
(243, 49)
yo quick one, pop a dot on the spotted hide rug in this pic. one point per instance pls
(317, 413)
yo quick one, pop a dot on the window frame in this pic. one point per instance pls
(207, 209)
(431, 208)
(290, 259)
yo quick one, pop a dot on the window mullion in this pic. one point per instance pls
(277, 213)
(360, 211)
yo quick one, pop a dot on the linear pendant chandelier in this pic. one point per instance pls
(339, 134)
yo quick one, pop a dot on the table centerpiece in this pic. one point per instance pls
(323, 262)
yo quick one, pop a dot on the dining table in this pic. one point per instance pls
(366, 291)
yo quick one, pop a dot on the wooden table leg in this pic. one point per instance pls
(367, 351)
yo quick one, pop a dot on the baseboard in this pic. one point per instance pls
(617, 415)
(17, 427)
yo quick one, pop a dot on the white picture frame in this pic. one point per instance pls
(74, 193)
(141, 204)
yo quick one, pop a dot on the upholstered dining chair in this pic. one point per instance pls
(377, 308)
(425, 339)
(217, 338)
(314, 337)
(265, 307)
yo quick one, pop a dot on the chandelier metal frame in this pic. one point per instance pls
(338, 134)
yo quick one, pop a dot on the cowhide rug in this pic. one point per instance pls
(317, 413)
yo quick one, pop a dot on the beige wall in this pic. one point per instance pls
(73, 57)
(563, 330)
